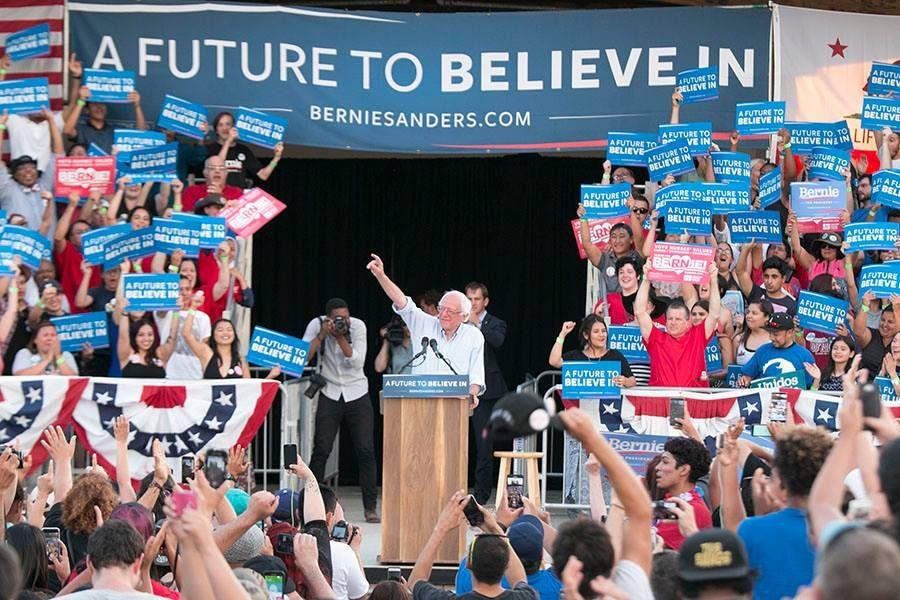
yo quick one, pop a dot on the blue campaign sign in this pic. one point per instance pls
(605, 201)
(878, 113)
(886, 188)
(732, 374)
(150, 164)
(155, 291)
(108, 86)
(628, 341)
(460, 82)
(213, 230)
(425, 386)
(806, 136)
(828, 164)
(882, 280)
(688, 217)
(673, 158)
(260, 128)
(93, 242)
(819, 312)
(28, 43)
(583, 380)
(871, 235)
(726, 198)
(95, 150)
(678, 192)
(126, 140)
(24, 96)
(759, 117)
(763, 226)
(713, 354)
(731, 167)
(182, 116)
(3, 219)
(697, 135)
(171, 235)
(131, 245)
(627, 149)
(637, 450)
(770, 187)
(884, 79)
(698, 85)
(30, 246)
(273, 349)
(886, 389)
(75, 331)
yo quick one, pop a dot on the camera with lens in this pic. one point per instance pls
(341, 325)
(316, 383)
(395, 331)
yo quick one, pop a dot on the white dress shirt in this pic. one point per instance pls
(464, 350)
(344, 374)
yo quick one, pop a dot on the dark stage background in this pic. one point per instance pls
(436, 223)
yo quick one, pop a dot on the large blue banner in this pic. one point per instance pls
(430, 82)
(698, 85)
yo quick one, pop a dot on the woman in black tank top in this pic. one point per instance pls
(139, 351)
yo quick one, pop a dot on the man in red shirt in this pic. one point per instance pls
(67, 252)
(215, 172)
(678, 354)
(684, 461)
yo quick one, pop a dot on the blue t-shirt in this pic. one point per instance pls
(769, 361)
(861, 214)
(544, 582)
(778, 548)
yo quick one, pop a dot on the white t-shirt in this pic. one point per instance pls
(632, 580)
(347, 579)
(183, 364)
(110, 595)
(30, 138)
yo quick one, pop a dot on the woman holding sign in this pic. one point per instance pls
(43, 356)
(139, 351)
(593, 335)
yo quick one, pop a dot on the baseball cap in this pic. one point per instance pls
(246, 547)
(713, 554)
(780, 322)
(19, 161)
(239, 499)
(526, 536)
(52, 283)
(263, 564)
(288, 507)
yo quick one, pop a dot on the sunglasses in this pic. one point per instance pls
(640, 211)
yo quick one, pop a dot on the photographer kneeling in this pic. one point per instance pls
(396, 348)
(341, 343)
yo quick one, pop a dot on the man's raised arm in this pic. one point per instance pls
(376, 266)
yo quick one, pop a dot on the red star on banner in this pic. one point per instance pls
(837, 48)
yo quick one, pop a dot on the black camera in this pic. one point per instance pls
(341, 325)
(316, 383)
(395, 331)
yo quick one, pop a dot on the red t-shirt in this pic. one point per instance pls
(668, 530)
(678, 362)
(68, 269)
(161, 590)
(194, 193)
(819, 344)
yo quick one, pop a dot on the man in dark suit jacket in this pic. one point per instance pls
(494, 331)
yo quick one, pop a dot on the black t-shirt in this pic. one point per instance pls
(612, 355)
(18, 339)
(76, 543)
(240, 161)
(425, 591)
(787, 303)
(873, 354)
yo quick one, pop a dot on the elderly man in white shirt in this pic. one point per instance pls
(461, 344)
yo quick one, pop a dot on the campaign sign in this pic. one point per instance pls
(681, 263)
(75, 331)
(763, 226)
(688, 217)
(150, 164)
(108, 86)
(678, 192)
(628, 149)
(272, 349)
(731, 167)
(585, 380)
(599, 232)
(254, 209)
(425, 386)
(886, 389)
(637, 450)
(673, 158)
(131, 245)
(733, 300)
(878, 113)
(818, 205)
(806, 136)
(793, 379)
(93, 242)
(155, 291)
(819, 312)
(3, 219)
(732, 374)
(182, 116)
(84, 173)
(604, 201)
(884, 79)
(698, 85)
(628, 341)
(259, 128)
(24, 96)
(697, 135)
(30, 246)
(882, 280)
(827, 164)
(126, 140)
(713, 354)
(871, 235)
(213, 230)
(759, 117)
(171, 235)
(770, 187)
(886, 188)
(27, 43)
(725, 198)
(95, 150)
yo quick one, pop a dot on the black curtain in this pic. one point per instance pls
(436, 223)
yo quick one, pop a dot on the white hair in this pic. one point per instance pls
(465, 305)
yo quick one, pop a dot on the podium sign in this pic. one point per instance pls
(425, 386)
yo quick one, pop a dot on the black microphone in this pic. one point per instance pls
(518, 415)
(421, 353)
(437, 352)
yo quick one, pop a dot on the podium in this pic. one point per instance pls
(425, 460)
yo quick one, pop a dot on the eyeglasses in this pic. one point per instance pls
(216, 168)
(620, 177)
(448, 310)
(640, 211)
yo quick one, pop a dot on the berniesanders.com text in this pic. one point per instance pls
(418, 120)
